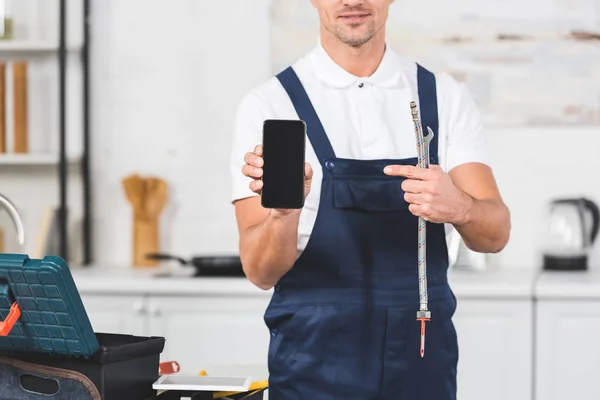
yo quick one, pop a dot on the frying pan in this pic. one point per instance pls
(221, 266)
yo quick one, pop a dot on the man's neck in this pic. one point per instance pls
(359, 61)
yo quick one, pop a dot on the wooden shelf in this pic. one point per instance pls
(22, 47)
(32, 159)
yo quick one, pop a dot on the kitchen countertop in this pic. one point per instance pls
(584, 285)
(490, 284)
(127, 280)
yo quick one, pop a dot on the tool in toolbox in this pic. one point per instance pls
(423, 315)
(44, 323)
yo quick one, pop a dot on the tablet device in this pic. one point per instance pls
(202, 383)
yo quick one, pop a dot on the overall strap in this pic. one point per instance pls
(306, 112)
(428, 106)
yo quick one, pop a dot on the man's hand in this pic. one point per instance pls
(467, 197)
(431, 194)
(253, 169)
(268, 237)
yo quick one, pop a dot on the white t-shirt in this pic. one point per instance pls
(368, 121)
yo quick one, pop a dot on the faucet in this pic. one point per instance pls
(12, 211)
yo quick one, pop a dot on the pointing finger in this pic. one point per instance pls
(408, 171)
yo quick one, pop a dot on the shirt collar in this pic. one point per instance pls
(388, 73)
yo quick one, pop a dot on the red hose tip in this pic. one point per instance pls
(423, 320)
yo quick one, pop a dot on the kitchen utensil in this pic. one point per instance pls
(204, 266)
(15, 216)
(423, 315)
(21, 144)
(148, 197)
(571, 231)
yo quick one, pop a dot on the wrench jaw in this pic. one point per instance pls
(427, 139)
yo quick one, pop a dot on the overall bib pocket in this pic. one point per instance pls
(369, 194)
(362, 185)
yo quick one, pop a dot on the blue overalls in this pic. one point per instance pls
(343, 319)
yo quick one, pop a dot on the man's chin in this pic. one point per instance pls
(355, 41)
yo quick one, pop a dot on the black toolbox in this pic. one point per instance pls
(123, 367)
(43, 322)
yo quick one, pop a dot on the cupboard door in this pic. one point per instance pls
(568, 350)
(212, 331)
(495, 349)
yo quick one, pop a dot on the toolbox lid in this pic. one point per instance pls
(51, 316)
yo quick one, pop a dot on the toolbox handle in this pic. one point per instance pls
(10, 321)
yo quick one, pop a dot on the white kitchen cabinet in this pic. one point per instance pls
(495, 347)
(210, 330)
(116, 313)
(568, 349)
(520, 337)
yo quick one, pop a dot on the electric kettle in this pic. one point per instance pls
(571, 233)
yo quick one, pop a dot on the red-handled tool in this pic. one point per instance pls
(168, 367)
(10, 321)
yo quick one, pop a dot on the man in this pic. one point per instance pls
(344, 268)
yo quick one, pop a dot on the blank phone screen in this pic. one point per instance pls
(283, 168)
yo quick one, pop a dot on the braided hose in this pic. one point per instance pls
(423, 314)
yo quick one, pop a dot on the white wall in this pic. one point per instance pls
(169, 78)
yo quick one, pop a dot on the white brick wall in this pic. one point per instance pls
(169, 78)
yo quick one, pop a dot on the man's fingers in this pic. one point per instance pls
(252, 172)
(413, 198)
(409, 171)
(256, 186)
(414, 186)
(258, 150)
(419, 210)
(308, 172)
(253, 159)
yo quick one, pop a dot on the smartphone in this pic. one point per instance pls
(284, 145)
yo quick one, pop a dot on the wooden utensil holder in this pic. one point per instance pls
(145, 240)
(147, 197)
